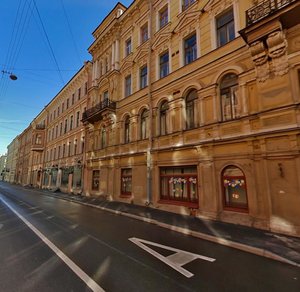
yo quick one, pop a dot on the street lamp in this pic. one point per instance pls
(11, 75)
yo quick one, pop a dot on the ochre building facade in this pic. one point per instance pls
(194, 108)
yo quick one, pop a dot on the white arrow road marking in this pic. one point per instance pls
(76, 269)
(176, 260)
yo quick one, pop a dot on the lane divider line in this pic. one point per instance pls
(76, 269)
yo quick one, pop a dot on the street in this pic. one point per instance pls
(48, 244)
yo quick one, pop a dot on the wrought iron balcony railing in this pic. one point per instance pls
(93, 112)
(265, 8)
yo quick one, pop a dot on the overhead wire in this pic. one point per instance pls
(48, 42)
(71, 32)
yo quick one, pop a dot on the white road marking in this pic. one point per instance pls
(176, 260)
(77, 270)
(1, 225)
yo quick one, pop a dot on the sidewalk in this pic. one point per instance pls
(276, 246)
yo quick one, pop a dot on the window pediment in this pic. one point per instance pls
(161, 40)
(141, 57)
(127, 64)
(187, 20)
(216, 7)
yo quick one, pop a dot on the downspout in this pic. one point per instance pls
(150, 144)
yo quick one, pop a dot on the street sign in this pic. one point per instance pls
(176, 260)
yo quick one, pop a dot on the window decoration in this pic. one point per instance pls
(179, 184)
(126, 181)
(234, 188)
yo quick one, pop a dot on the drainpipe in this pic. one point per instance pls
(150, 145)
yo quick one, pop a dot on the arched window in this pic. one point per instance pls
(229, 98)
(127, 130)
(103, 137)
(234, 188)
(144, 124)
(190, 109)
(163, 129)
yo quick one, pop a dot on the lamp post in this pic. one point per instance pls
(11, 75)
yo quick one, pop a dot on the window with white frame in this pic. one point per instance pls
(128, 85)
(144, 33)
(164, 64)
(163, 15)
(225, 28)
(128, 47)
(229, 97)
(143, 77)
(190, 49)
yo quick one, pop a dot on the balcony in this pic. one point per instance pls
(40, 127)
(96, 112)
(265, 8)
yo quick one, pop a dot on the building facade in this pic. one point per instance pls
(64, 148)
(194, 108)
(3, 169)
(11, 162)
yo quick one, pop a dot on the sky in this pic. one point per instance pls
(44, 48)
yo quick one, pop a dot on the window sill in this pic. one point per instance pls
(236, 209)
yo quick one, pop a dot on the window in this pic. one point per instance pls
(62, 107)
(128, 47)
(187, 3)
(75, 146)
(190, 49)
(126, 181)
(144, 124)
(144, 33)
(38, 139)
(127, 130)
(143, 77)
(85, 88)
(179, 184)
(71, 122)
(61, 128)
(58, 111)
(64, 150)
(95, 180)
(234, 188)
(128, 85)
(164, 64)
(77, 118)
(59, 152)
(82, 144)
(229, 98)
(67, 103)
(79, 93)
(105, 95)
(103, 137)
(190, 109)
(69, 149)
(65, 177)
(163, 17)
(225, 28)
(56, 131)
(73, 98)
(163, 118)
(66, 126)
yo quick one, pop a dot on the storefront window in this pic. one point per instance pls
(95, 180)
(179, 184)
(65, 177)
(126, 181)
(234, 188)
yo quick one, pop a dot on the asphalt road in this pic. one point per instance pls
(84, 245)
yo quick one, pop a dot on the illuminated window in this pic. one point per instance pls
(126, 181)
(234, 188)
(179, 184)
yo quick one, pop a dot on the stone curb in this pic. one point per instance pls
(225, 242)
